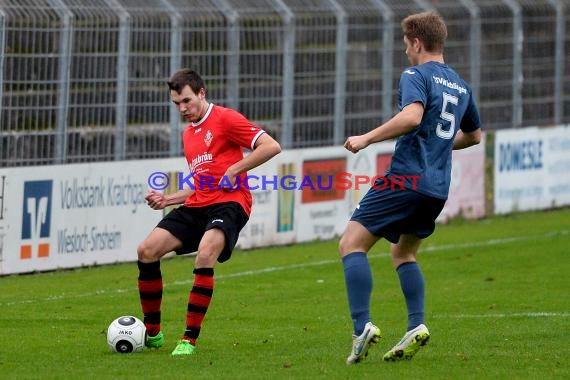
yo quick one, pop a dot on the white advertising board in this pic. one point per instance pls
(75, 215)
(85, 214)
(467, 188)
(272, 220)
(531, 169)
(322, 206)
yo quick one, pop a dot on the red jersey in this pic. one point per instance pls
(211, 146)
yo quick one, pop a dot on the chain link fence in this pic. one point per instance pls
(84, 80)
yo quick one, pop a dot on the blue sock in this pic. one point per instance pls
(358, 279)
(413, 287)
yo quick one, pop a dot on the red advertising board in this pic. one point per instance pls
(319, 181)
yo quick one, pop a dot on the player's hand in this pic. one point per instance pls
(228, 181)
(356, 143)
(155, 200)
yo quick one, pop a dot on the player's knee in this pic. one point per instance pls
(344, 247)
(207, 256)
(399, 257)
(145, 252)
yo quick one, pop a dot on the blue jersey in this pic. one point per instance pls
(426, 150)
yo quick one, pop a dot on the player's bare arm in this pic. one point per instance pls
(264, 149)
(402, 123)
(465, 140)
(158, 201)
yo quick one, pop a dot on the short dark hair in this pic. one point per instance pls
(428, 27)
(186, 77)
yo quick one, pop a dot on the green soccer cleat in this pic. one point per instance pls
(156, 341)
(360, 344)
(409, 345)
(184, 347)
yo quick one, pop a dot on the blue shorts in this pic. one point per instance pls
(390, 213)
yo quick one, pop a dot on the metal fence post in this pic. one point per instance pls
(2, 49)
(65, 55)
(559, 60)
(475, 47)
(387, 57)
(288, 74)
(517, 62)
(340, 73)
(232, 63)
(122, 79)
(175, 61)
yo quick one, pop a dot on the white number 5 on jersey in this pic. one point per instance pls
(440, 131)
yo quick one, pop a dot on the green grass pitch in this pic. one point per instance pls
(497, 306)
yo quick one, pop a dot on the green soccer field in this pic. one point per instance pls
(497, 306)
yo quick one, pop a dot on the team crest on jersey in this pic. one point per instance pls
(208, 138)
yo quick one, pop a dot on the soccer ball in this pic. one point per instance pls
(126, 334)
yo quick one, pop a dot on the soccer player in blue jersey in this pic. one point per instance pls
(437, 114)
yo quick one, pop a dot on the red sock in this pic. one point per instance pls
(198, 302)
(150, 292)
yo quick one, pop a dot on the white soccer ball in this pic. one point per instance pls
(126, 334)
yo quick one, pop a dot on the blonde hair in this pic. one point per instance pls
(428, 27)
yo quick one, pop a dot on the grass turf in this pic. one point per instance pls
(497, 307)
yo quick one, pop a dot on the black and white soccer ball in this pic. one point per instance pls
(126, 334)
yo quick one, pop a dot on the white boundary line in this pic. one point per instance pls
(531, 314)
(435, 248)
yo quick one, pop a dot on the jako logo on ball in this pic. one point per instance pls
(126, 334)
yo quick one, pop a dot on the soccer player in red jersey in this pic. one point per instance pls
(213, 211)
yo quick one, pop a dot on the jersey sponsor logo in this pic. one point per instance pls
(448, 84)
(36, 219)
(200, 160)
(208, 138)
